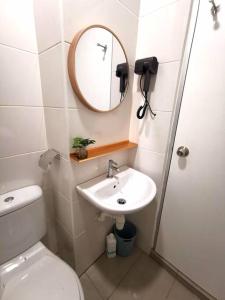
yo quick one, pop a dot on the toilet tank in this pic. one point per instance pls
(22, 221)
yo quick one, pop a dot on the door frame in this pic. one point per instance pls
(176, 111)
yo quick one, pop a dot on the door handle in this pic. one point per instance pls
(182, 151)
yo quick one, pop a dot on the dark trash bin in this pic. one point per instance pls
(125, 238)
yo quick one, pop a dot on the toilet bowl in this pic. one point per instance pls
(28, 270)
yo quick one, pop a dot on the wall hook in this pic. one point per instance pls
(215, 8)
(104, 49)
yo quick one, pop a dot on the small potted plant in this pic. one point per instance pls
(80, 144)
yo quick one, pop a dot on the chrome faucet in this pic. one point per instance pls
(113, 166)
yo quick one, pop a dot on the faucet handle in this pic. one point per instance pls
(113, 163)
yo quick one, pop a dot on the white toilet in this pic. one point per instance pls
(28, 270)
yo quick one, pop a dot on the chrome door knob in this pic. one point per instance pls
(182, 151)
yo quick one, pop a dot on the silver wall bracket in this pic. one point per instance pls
(47, 158)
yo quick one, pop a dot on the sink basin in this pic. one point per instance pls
(125, 193)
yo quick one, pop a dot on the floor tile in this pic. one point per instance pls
(106, 273)
(90, 292)
(146, 280)
(179, 292)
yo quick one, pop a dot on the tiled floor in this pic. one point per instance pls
(137, 277)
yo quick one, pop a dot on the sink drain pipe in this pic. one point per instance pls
(119, 219)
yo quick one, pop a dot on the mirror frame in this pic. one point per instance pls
(72, 61)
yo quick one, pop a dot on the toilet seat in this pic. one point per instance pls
(38, 274)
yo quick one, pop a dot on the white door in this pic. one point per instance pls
(192, 228)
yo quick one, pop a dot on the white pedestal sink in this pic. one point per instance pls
(127, 192)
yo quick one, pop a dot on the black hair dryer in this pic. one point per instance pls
(146, 67)
(122, 73)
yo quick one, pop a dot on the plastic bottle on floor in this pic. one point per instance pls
(111, 245)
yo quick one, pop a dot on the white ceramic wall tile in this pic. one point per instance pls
(133, 5)
(104, 128)
(96, 167)
(47, 19)
(20, 81)
(148, 6)
(145, 222)
(153, 133)
(61, 177)
(163, 88)
(110, 13)
(148, 162)
(19, 171)
(63, 211)
(52, 81)
(86, 215)
(56, 130)
(17, 24)
(22, 130)
(65, 245)
(73, 101)
(90, 245)
(162, 33)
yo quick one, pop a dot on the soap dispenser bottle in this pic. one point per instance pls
(111, 245)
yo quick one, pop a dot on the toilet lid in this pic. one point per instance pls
(47, 279)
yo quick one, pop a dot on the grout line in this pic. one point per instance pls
(23, 154)
(27, 106)
(50, 47)
(128, 9)
(172, 286)
(20, 49)
(155, 152)
(125, 275)
(93, 284)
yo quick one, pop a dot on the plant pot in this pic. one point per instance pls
(81, 153)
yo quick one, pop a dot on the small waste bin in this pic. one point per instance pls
(125, 238)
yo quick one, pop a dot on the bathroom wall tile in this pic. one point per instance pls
(52, 81)
(90, 292)
(19, 171)
(22, 130)
(153, 133)
(17, 24)
(101, 127)
(148, 162)
(73, 101)
(65, 245)
(110, 13)
(146, 280)
(133, 5)
(50, 239)
(89, 246)
(85, 215)
(111, 271)
(163, 87)
(164, 39)
(47, 20)
(61, 177)
(96, 167)
(148, 6)
(63, 211)
(20, 84)
(56, 129)
(145, 220)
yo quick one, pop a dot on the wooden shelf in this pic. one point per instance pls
(105, 150)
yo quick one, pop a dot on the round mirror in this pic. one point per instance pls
(98, 68)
